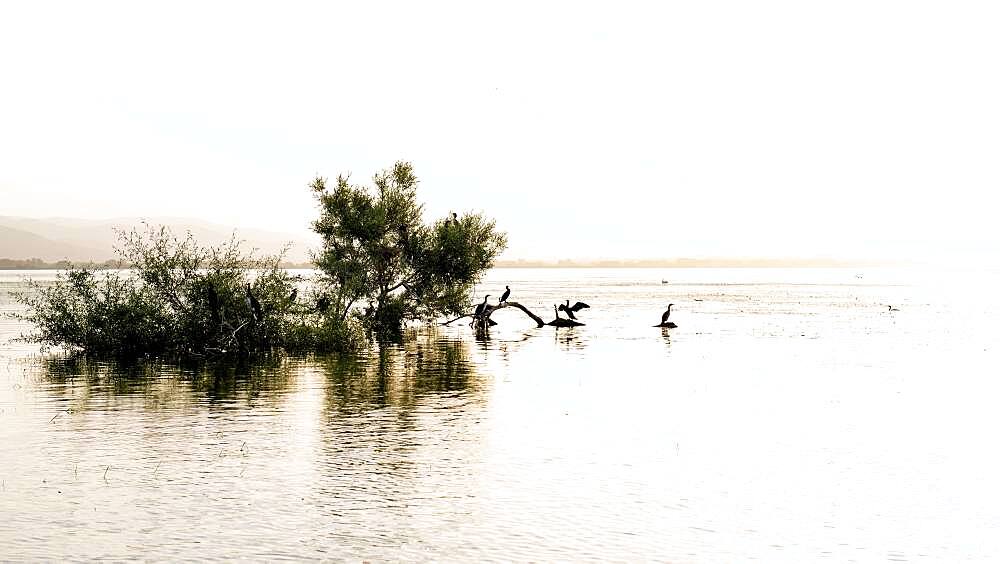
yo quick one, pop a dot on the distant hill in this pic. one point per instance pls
(21, 244)
(54, 239)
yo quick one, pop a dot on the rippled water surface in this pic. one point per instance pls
(790, 417)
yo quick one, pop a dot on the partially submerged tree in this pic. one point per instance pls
(382, 264)
(177, 298)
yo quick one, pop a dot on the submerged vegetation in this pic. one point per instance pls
(380, 266)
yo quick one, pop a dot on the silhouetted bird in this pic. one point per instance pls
(481, 307)
(213, 305)
(295, 294)
(576, 307)
(254, 305)
(666, 316)
(454, 217)
(505, 295)
(893, 308)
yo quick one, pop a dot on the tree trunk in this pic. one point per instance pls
(488, 311)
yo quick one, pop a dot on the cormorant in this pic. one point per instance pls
(666, 316)
(505, 295)
(254, 305)
(892, 308)
(481, 307)
(213, 304)
(295, 293)
(569, 310)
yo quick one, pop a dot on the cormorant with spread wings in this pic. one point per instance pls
(571, 309)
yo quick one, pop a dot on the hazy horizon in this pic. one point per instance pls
(98, 235)
(858, 130)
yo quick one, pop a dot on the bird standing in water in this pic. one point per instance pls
(666, 316)
(505, 295)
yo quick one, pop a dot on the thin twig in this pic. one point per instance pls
(457, 318)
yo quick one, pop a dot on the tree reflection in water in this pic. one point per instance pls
(397, 375)
(391, 375)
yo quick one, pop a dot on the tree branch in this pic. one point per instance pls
(490, 309)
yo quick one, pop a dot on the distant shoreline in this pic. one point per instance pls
(37, 264)
(700, 263)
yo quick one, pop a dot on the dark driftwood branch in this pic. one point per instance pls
(490, 309)
(483, 320)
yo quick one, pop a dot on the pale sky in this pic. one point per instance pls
(635, 130)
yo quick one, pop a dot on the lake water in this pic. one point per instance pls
(790, 417)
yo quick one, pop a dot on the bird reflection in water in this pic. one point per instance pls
(665, 333)
(570, 339)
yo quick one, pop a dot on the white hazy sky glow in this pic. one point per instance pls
(636, 130)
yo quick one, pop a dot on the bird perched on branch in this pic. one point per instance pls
(570, 310)
(213, 304)
(505, 295)
(481, 307)
(254, 305)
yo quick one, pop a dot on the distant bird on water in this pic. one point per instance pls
(569, 310)
(666, 316)
(254, 305)
(505, 295)
(481, 307)
(893, 308)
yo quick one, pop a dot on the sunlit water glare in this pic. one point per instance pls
(790, 417)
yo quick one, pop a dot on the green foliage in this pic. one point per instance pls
(178, 298)
(377, 249)
(381, 267)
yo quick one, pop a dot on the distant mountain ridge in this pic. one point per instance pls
(83, 240)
